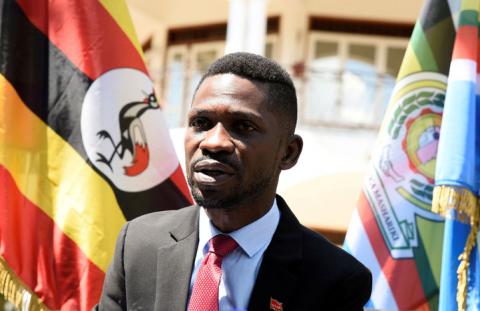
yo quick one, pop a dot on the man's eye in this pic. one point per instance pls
(200, 123)
(245, 126)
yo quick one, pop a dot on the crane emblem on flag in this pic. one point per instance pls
(123, 133)
(133, 137)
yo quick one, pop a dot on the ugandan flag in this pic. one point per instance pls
(83, 148)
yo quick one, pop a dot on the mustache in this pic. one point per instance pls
(216, 157)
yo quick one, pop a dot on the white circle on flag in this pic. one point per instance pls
(124, 131)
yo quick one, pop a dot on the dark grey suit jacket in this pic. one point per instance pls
(154, 258)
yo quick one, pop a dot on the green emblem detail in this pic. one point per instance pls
(400, 187)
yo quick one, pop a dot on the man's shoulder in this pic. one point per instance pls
(330, 278)
(339, 280)
(317, 251)
(168, 217)
(315, 244)
(160, 224)
(320, 252)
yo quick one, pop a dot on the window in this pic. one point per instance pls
(175, 92)
(349, 78)
(186, 63)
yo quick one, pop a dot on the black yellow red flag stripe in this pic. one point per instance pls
(93, 42)
(83, 148)
(45, 258)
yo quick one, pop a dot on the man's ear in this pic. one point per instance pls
(292, 152)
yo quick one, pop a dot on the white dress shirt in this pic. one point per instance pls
(240, 267)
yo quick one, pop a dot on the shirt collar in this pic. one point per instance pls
(251, 238)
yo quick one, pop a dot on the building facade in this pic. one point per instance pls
(343, 55)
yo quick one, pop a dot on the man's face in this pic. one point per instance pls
(232, 143)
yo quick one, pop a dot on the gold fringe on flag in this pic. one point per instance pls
(465, 263)
(460, 199)
(16, 292)
(466, 209)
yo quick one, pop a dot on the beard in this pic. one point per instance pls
(234, 196)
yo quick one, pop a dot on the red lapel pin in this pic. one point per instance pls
(275, 305)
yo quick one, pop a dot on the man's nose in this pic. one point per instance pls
(217, 139)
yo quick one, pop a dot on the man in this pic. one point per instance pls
(241, 247)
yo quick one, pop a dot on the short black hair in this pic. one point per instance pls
(280, 91)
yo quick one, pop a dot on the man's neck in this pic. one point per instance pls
(234, 218)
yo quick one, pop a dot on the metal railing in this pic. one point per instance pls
(338, 98)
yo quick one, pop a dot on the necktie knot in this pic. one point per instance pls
(222, 245)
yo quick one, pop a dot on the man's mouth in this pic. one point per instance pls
(211, 172)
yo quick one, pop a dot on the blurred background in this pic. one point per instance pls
(344, 56)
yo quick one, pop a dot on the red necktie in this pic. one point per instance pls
(205, 289)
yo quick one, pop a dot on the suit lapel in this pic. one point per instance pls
(175, 263)
(277, 278)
